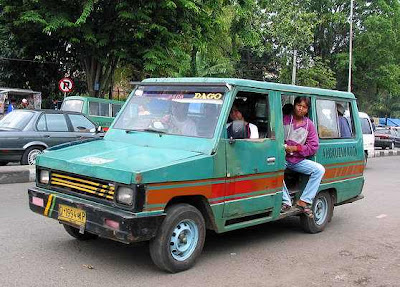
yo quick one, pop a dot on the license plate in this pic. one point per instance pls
(70, 214)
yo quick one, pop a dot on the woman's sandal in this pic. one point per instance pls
(307, 210)
(285, 207)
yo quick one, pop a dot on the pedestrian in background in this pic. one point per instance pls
(24, 104)
(11, 106)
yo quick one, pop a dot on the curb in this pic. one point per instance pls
(17, 174)
(379, 153)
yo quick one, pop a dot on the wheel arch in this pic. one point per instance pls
(201, 203)
(332, 192)
(35, 143)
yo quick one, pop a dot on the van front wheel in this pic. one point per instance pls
(323, 211)
(179, 240)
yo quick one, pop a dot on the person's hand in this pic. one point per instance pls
(290, 148)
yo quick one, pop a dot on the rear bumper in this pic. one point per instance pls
(133, 227)
(383, 143)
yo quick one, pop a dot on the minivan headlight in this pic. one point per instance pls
(125, 195)
(44, 176)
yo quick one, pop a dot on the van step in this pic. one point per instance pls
(291, 212)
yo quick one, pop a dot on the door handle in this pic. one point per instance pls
(271, 160)
(46, 136)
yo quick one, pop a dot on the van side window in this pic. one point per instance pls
(254, 108)
(93, 108)
(104, 110)
(345, 118)
(327, 118)
(335, 119)
(99, 109)
(115, 109)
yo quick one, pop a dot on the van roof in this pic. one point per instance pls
(255, 84)
(363, 115)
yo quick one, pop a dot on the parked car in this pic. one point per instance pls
(387, 138)
(26, 133)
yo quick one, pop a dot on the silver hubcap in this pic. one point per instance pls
(32, 156)
(184, 240)
(320, 210)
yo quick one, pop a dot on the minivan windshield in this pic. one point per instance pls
(72, 105)
(16, 120)
(177, 110)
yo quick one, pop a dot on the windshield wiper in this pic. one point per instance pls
(146, 130)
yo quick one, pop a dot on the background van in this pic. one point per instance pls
(368, 134)
(101, 111)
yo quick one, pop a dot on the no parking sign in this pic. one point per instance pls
(66, 85)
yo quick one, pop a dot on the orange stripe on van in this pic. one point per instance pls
(233, 186)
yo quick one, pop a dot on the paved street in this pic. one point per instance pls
(360, 247)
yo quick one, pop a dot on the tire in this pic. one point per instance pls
(323, 211)
(30, 154)
(179, 240)
(3, 163)
(74, 232)
(365, 158)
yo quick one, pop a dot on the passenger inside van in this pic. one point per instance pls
(237, 114)
(345, 130)
(178, 121)
(287, 109)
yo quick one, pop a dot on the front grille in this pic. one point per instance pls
(89, 187)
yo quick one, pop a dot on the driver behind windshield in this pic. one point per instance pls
(178, 121)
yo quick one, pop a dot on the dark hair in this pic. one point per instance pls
(301, 99)
(287, 109)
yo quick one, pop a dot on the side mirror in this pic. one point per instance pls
(237, 130)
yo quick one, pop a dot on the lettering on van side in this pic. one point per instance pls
(338, 152)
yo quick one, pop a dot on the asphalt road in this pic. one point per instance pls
(360, 247)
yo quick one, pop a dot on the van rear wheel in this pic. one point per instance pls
(179, 240)
(323, 211)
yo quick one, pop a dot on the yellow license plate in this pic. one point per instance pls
(70, 214)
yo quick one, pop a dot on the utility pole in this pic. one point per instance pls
(294, 67)
(350, 44)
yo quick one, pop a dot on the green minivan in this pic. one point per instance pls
(100, 111)
(166, 171)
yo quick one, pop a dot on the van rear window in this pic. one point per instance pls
(365, 126)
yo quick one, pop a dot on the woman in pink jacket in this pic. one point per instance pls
(301, 142)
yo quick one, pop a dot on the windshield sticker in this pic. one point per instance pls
(182, 96)
(96, 160)
(208, 96)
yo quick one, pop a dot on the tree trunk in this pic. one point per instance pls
(99, 76)
(193, 63)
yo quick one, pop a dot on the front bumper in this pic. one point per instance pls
(133, 227)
